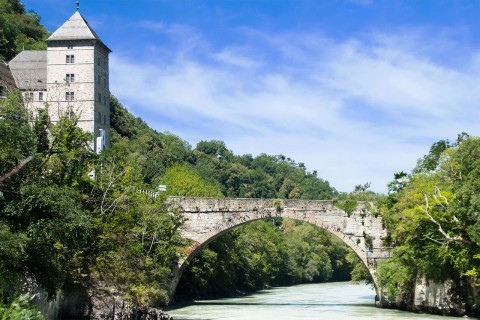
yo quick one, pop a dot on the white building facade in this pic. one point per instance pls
(72, 75)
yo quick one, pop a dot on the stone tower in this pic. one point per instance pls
(78, 77)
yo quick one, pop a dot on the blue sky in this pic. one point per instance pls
(355, 89)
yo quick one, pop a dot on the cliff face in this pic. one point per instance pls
(95, 303)
(455, 298)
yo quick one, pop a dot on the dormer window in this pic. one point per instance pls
(70, 58)
(40, 96)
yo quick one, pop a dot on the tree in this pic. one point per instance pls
(183, 180)
(41, 204)
(432, 218)
(19, 30)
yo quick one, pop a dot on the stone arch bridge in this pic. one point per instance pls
(208, 218)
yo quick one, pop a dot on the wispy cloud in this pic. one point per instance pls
(355, 110)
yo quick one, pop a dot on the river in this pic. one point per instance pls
(332, 301)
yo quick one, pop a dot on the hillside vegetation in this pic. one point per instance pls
(19, 30)
(61, 229)
(432, 216)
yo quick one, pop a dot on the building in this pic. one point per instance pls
(72, 75)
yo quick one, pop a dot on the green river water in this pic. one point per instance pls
(330, 301)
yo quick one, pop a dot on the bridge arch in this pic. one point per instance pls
(208, 218)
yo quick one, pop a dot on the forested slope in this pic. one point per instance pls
(61, 230)
(251, 257)
(19, 30)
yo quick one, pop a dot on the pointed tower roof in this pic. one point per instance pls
(75, 28)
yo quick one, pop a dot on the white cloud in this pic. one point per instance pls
(356, 111)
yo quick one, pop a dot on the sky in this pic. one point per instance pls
(355, 89)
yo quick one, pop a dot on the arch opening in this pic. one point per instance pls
(327, 255)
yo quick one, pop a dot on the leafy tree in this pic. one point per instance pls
(182, 180)
(136, 238)
(19, 30)
(432, 219)
(20, 309)
(215, 148)
(41, 205)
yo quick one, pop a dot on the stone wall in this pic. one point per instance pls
(208, 218)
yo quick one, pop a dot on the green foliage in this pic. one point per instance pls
(359, 271)
(61, 229)
(348, 205)
(268, 252)
(214, 148)
(18, 142)
(136, 238)
(396, 278)
(361, 196)
(19, 30)
(432, 218)
(56, 225)
(19, 309)
(308, 259)
(184, 181)
(42, 214)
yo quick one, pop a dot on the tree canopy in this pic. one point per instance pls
(432, 218)
(19, 30)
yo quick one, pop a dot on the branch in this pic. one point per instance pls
(437, 191)
(440, 229)
(16, 169)
(434, 240)
(112, 180)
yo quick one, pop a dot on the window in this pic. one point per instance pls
(28, 96)
(98, 61)
(70, 77)
(105, 100)
(99, 116)
(104, 119)
(70, 96)
(3, 92)
(99, 97)
(40, 96)
(98, 79)
(70, 58)
(105, 83)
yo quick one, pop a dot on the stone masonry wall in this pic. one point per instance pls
(208, 218)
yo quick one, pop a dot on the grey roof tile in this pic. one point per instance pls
(75, 28)
(29, 69)
(6, 77)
